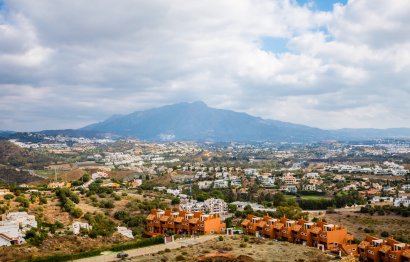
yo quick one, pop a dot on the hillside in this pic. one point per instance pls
(15, 156)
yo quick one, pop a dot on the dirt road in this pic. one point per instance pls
(112, 256)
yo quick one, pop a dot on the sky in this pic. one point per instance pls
(327, 64)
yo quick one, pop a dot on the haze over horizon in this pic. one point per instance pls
(327, 64)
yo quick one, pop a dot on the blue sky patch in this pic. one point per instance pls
(322, 5)
(274, 44)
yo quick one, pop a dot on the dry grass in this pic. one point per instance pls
(232, 249)
(357, 222)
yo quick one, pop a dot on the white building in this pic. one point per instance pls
(309, 187)
(22, 219)
(205, 184)
(251, 172)
(221, 183)
(125, 232)
(174, 192)
(10, 234)
(312, 175)
(290, 188)
(405, 187)
(99, 175)
(402, 200)
(76, 227)
(211, 206)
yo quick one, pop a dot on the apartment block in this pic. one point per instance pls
(183, 223)
(320, 235)
(383, 250)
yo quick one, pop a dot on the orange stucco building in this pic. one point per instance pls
(321, 235)
(183, 223)
(383, 250)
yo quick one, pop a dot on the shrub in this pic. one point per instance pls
(8, 196)
(221, 238)
(175, 201)
(179, 258)
(246, 238)
(368, 230)
(242, 245)
(384, 234)
(24, 202)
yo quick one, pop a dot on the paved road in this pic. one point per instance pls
(112, 256)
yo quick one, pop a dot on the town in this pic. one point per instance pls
(340, 198)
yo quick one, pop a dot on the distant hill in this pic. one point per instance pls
(197, 121)
(14, 156)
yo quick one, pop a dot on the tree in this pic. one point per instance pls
(232, 208)
(291, 212)
(175, 201)
(278, 199)
(384, 234)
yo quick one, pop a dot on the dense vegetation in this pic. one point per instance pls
(385, 210)
(68, 200)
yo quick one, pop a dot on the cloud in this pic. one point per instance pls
(69, 63)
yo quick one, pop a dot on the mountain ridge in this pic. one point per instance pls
(199, 122)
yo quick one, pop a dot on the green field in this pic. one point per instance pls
(306, 197)
(47, 173)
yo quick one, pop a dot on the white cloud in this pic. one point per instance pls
(68, 63)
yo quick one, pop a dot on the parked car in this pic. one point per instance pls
(122, 255)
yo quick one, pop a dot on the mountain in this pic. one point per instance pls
(196, 121)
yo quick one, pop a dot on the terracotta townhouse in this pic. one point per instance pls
(183, 223)
(321, 235)
(383, 250)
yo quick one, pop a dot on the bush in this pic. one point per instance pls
(136, 244)
(384, 234)
(175, 201)
(246, 238)
(179, 258)
(121, 215)
(8, 196)
(24, 202)
(242, 245)
(221, 238)
(102, 225)
(368, 230)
